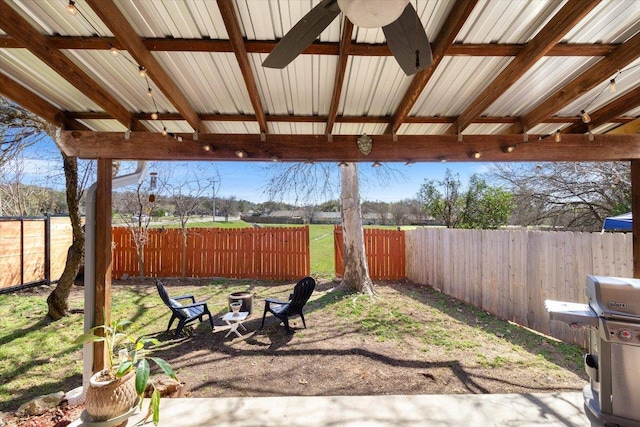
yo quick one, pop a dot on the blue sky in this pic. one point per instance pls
(247, 180)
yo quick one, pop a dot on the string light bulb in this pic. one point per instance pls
(71, 8)
(376, 164)
(164, 131)
(476, 154)
(585, 117)
(149, 92)
(142, 71)
(241, 154)
(154, 116)
(509, 148)
(114, 51)
(557, 137)
(612, 86)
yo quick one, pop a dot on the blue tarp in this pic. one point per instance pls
(620, 222)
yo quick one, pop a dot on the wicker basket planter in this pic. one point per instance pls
(107, 399)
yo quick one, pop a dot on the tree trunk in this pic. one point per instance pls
(356, 270)
(58, 299)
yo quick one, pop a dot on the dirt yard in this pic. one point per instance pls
(411, 339)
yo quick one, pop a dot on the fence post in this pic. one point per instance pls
(47, 248)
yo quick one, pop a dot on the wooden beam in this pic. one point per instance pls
(102, 308)
(228, 12)
(632, 127)
(30, 101)
(608, 113)
(548, 37)
(109, 13)
(601, 71)
(341, 67)
(17, 27)
(456, 19)
(635, 210)
(296, 148)
(316, 48)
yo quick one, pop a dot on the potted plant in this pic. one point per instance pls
(115, 390)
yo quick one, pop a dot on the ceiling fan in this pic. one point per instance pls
(399, 21)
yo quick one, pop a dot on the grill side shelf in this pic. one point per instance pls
(574, 314)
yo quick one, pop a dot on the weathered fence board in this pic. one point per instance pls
(276, 253)
(511, 273)
(22, 250)
(385, 250)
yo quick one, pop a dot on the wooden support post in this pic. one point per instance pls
(635, 210)
(102, 309)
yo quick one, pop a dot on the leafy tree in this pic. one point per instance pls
(443, 206)
(479, 206)
(570, 195)
(227, 207)
(485, 207)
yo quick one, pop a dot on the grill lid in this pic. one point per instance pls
(614, 297)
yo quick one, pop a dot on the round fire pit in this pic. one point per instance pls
(245, 297)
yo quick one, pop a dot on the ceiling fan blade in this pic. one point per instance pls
(408, 42)
(302, 34)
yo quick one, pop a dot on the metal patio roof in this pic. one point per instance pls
(507, 75)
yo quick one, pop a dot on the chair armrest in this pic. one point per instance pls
(197, 304)
(191, 297)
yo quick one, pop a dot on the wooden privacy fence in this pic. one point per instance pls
(275, 253)
(33, 250)
(511, 273)
(384, 249)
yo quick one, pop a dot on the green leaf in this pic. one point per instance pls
(155, 406)
(142, 376)
(85, 338)
(166, 368)
(124, 368)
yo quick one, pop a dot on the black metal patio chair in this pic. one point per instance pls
(185, 314)
(297, 300)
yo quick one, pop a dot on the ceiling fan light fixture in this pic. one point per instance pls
(372, 13)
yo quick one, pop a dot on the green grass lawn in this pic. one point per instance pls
(412, 322)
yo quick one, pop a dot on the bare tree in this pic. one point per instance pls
(20, 128)
(567, 195)
(356, 269)
(135, 209)
(186, 194)
(310, 182)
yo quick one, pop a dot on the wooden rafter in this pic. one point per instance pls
(607, 66)
(129, 39)
(456, 19)
(232, 25)
(30, 101)
(632, 127)
(548, 37)
(17, 27)
(215, 117)
(608, 113)
(345, 44)
(316, 48)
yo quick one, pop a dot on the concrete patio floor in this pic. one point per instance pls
(548, 409)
